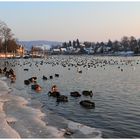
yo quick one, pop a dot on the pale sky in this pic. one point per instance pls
(64, 21)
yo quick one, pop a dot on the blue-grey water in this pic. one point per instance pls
(115, 85)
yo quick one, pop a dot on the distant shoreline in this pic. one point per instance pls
(10, 56)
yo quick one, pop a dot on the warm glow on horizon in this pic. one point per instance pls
(63, 21)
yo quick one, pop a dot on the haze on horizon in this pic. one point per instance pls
(63, 21)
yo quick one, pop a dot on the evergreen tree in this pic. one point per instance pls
(125, 43)
(77, 43)
(109, 43)
(74, 43)
(64, 45)
(70, 43)
(133, 44)
(116, 46)
(138, 41)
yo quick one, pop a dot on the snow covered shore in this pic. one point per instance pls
(19, 120)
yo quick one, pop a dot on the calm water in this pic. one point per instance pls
(115, 84)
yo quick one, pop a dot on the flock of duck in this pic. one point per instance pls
(56, 94)
(66, 62)
(9, 74)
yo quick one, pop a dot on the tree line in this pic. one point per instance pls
(125, 44)
(9, 44)
(7, 40)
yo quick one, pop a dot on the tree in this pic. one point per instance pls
(77, 43)
(102, 50)
(5, 34)
(133, 43)
(0, 44)
(64, 45)
(74, 43)
(102, 44)
(125, 43)
(2, 24)
(12, 46)
(87, 44)
(109, 43)
(116, 46)
(70, 43)
(138, 41)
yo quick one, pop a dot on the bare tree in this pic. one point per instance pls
(5, 34)
(2, 26)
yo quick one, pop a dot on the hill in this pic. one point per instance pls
(47, 44)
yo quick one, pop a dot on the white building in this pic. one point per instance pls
(63, 49)
(89, 50)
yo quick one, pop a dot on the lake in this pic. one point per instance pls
(115, 82)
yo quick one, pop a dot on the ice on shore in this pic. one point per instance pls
(3, 78)
(19, 120)
(3, 87)
(85, 130)
(5, 130)
(72, 129)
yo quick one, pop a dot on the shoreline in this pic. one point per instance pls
(25, 119)
(5, 131)
(18, 120)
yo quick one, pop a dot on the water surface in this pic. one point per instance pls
(115, 85)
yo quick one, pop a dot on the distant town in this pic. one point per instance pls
(128, 46)
(12, 48)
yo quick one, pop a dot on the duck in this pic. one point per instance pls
(26, 69)
(87, 93)
(75, 94)
(62, 98)
(13, 78)
(26, 82)
(44, 77)
(0, 71)
(54, 94)
(56, 75)
(32, 79)
(36, 87)
(87, 104)
(51, 77)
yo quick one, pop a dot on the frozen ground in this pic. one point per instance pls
(19, 120)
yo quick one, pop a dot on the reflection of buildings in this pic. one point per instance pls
(40, 50)
(20, 51)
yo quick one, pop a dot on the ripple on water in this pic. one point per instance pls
(116, 93)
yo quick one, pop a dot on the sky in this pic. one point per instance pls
(64, 21)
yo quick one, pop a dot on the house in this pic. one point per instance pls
(106, 49)
(89, 50)
(71, 49)
(63, 50)
(56, 51)
(20, 51)
(99, 49)
(82, 45)
(77, 50)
